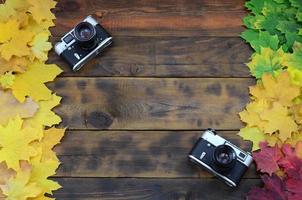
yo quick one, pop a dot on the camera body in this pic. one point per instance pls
(83, 43)
(220, 157)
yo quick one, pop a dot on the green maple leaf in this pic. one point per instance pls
(267, 61)
(260, 39)
(296, 3)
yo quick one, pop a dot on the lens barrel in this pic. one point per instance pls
(224, 157)
(85, 34)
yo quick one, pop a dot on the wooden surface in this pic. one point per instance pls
(176, 68)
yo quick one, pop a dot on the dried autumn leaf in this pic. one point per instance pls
(279, 120)
(44, 116)
(270, 89)
(5, 175)
(19, 187)
(267, 158)
(10, 107)
(15, 150)
(41, 10)
(40, 46)
(32, 82)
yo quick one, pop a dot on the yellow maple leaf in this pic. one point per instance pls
(271, 89)
(294, 139)
(19, 187)
(40, 173)
(15, 64)
(10, 8)
(44, 116)
(32, 82)
(8, 30)
(17, 45)
(251, 115)
(41, 46)
(296, 75)
(279, 120)
(7, 80)
(51, 138)
(253, 134)
(15, 143)
(41, 10)
(10, 107)
(37, 28)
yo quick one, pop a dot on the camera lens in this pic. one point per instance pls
(85, 34)
(224, 156)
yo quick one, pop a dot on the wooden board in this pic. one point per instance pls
(152, 103)
(167, 57)
(155, 18)
(146, 189)
(149, 154)
(133, 113)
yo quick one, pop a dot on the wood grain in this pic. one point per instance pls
(167, 57)
(158, 154)
(152, 103)
(150, 189)
(160, 18)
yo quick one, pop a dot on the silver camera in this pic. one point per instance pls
(220, 157)
(83, 43)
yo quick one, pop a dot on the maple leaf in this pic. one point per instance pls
(41, 10)
(267, 158)
(260, 39)
(51, 138)
(274, 189)
(270, 89)
(279, 120)
(37, 28)
(14, 150)
(17, 45)
(267, 61)
(32, 82)
(251, 114)
(294, 59)
(19, 187)
(40, 46)
(40, 173)
(44, 116)
(5, 175)
(10, 107)
(290, 161)
(296, 75)
(7, 80)
(253, 134)
(294, 139)
(8, 30)
(15, 64)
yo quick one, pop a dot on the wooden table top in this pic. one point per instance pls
(176, 68)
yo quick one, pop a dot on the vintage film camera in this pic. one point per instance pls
(83, 43)
(220, 157)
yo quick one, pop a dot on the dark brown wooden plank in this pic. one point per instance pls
(150, 189)
(169, 18)
(134, 154)
(167, 57)
(152, 103)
